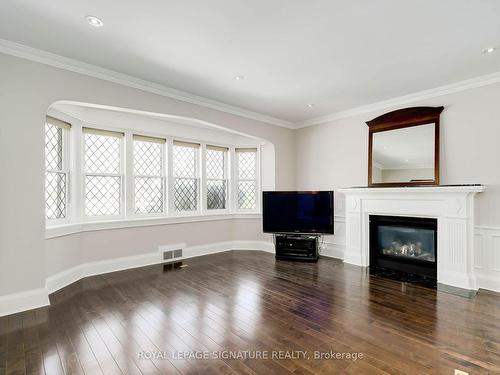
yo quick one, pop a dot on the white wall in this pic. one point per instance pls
(27, 90)
(334, 155)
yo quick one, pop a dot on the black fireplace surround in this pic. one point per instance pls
(404, 248)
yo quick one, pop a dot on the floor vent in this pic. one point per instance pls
(172, 254)
(173, 266)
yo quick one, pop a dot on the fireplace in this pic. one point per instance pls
(404, 248)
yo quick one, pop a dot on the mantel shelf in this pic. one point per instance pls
(415, 189)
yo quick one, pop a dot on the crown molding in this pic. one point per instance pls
(76, 66)
(472, 83)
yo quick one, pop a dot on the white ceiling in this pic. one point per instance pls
(335, 54)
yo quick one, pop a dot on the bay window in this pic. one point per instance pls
(126, 175)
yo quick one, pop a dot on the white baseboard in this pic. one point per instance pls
(487, 257)
(120, 264)
(31, 299)
(254, 245)
(28, 300)
(490, 282)
(13, 303)
(213, 248)
(64, 278)
(332, 250)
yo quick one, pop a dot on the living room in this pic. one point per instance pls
(250, 187)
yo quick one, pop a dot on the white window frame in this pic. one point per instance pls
(74, 161)
(226, 179)
(198, 177)
(257, 180)
(121, 175)
(163, 176)
(65, 154)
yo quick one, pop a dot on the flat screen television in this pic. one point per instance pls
(307, 212)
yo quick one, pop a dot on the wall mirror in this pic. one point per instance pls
(403, 148)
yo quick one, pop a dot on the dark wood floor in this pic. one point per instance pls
(141, 321)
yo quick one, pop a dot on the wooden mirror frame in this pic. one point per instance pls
(405, 118)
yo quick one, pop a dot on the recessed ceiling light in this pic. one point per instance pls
(310, 105)
(94, 21)
(238, 78)
(489, 50)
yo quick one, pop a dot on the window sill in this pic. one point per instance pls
(90, 226)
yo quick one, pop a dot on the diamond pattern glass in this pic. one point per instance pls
(148, 195)
(55, 177)
(148, 167)
(186, 194)
(53, 147)
(184, 160)
(246, 165)
(55, 195)
(216, 184)
(185, 177)
(246, 194)
(102, 195)
(247, 183)
(148, 158)
(215, 164)
(103, 180)
(216, 194)
(102, 154)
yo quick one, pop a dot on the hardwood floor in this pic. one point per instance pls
(152, 321)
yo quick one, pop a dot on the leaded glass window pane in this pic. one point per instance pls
(148, 180)
(185, 165)
(247, 178)
(55, 176)
(216, 178)
(102, 179)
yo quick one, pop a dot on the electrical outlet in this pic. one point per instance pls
(460, 372)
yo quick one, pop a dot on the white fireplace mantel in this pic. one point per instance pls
(452, 206)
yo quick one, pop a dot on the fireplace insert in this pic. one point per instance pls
(404, 248)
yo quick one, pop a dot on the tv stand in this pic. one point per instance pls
(297, 247)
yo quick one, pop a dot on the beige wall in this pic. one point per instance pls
(334, 154)
(27, 90)
(63, 253)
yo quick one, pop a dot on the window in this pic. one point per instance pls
(131, 176)
(56, 175)
(102, 172)
(246, 159)
(185, 172)
(216, 175)
(148, 174)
